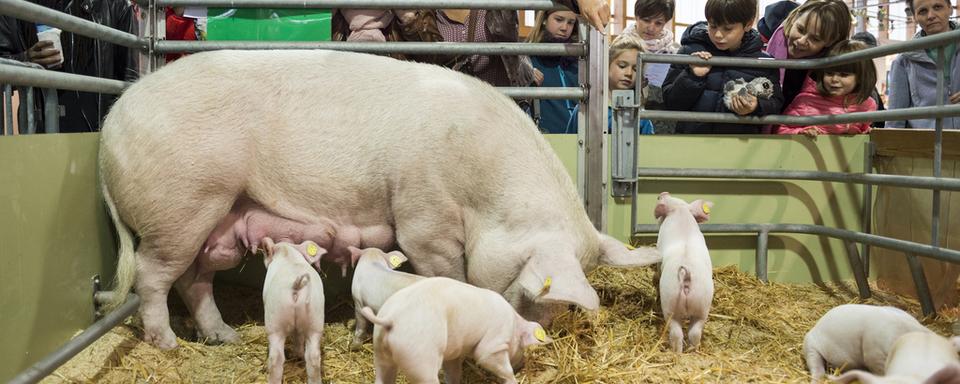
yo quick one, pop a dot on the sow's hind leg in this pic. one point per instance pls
(164, 255)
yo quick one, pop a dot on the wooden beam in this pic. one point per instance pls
(914, 143)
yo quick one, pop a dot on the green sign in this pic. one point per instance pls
(268, 24)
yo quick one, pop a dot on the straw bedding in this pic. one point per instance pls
(754, 334)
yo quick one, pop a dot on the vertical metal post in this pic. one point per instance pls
(761, 261)
(31, 118)
(867, 212)
(920, 281)
(51, 110)
(583, 78)
(938, 150)
(8, 109)
(595, 171)
(857, 267)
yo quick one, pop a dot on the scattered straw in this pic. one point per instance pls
(754, 334)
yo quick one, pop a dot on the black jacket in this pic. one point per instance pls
(684, 91)
(80, 111)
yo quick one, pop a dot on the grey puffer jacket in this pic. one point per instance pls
(913, 83)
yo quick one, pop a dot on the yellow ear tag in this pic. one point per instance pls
(312, 249)
(395, 261)
(540, 334)
(546, 285)
(706, 208)
(629, 247)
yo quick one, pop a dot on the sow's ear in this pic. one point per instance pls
(557, 278)
(701, 210)
(614, 253)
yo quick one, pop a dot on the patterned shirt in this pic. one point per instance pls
(487, 68)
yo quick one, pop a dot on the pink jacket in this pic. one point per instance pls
(810, 103)
(777, 47)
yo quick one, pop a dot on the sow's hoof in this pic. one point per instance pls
(221, 335)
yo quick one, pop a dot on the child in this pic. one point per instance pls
(832, 91)
(727, 32)
(622, 73)
(809, 32)
(652, 16)
(556, 116)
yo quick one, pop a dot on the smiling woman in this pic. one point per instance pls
(808, 32)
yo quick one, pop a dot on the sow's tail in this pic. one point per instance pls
(126, 263)
(368, 313)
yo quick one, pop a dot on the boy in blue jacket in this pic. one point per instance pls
(728, 31)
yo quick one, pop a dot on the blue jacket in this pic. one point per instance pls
(558, 116)
(684, 91)
(913, 83)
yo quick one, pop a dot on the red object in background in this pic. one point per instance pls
(179, 28)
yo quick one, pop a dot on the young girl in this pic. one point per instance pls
(652, 17)
(623, 71)
(556, 116)
(809, 31)
(832, 91)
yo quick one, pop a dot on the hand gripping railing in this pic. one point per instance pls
(935, 183)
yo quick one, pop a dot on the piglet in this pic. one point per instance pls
(686, 273)
(293, 305)
(855, 336)
(374, 281)
(916, 357)
(439, 322)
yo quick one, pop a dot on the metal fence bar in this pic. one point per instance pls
(50, 363)
(760, 264)
(938, 150)
(7, 109)
(385, 4)
(29, 107)
(595, 170)
(721, 117)
(942, 183)
(51, 110)
(39, 14)
(920, 282)
(866, 214)
(408, 47)
(856, 265)
(16, 75)
(939, 39)
(574, 93)
(925, 250)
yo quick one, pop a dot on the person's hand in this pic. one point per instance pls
(743, 104)
(597, 13)
(810, 132)
(537, 77)
(44, 54)
(701, 70)
(955, 98)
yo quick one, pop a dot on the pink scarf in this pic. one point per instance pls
(365, 24)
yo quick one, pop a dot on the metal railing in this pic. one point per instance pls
(28, 121)
(935, 183)
(152, 47)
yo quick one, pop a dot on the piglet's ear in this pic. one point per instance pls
(311, 252)
(949, 374)
(267, 250)
(701, 210)
(355, 254)
(531, 333)
(863, 377)
(395, 259)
